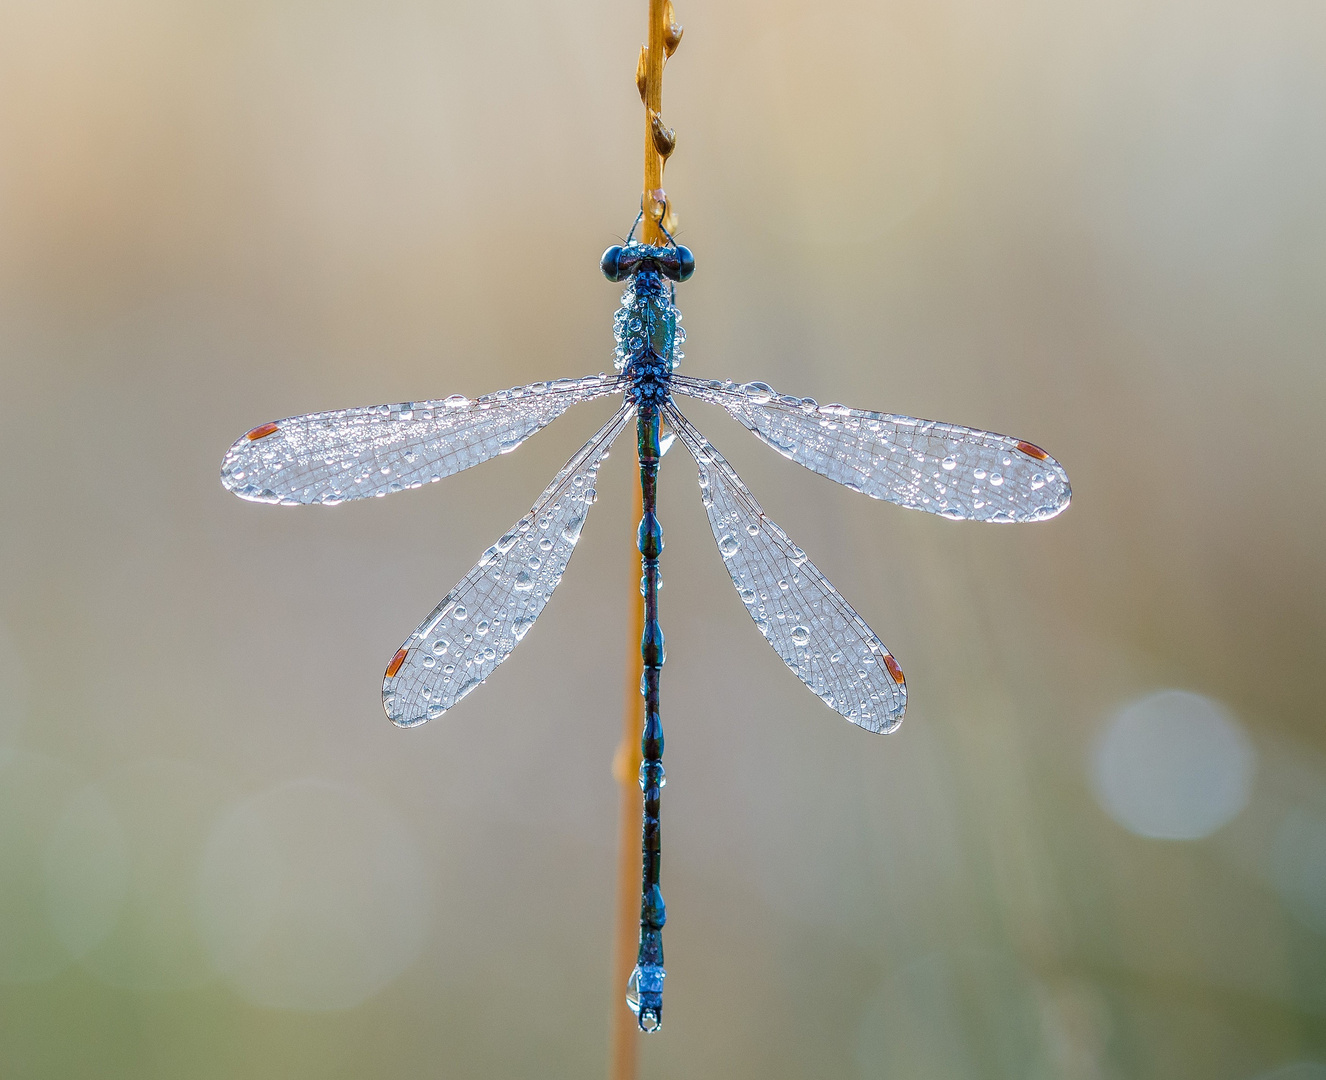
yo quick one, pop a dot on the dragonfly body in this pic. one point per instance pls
(956, 472)
(648, 339)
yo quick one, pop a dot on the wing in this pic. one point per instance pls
(490, 611)
(957, 472)
(329, 457)
(827, 645)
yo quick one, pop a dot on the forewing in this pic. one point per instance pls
(329, 457)
(958, 472)
(827, 645)
(479, 623)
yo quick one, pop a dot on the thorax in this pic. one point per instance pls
(648, 337)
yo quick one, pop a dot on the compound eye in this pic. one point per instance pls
(611, 263)
(685, 263)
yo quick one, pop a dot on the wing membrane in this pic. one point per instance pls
(827, 645)
(329, 457)
(958, 472)
(480, 622)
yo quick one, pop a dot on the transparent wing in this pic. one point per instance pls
(489, 612)
(827, 645)
(958, 472)
(329, 457)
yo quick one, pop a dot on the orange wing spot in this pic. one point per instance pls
(260, 432)
(396, 662)
(1032, 450)
(894, 669)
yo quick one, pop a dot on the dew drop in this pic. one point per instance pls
(800, 635)
(545, 544)
(440, 646)
(434, 711)
(521, 627)
(728, 546)
(456, 401)
(757, 393)
(949, 463)
(481, 627)
(459, 613)
(996, 479)
(572, 531)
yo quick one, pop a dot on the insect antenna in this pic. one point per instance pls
(638, 218)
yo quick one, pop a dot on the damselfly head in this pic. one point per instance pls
(674, 262)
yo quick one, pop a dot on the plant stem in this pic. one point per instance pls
(654, 60)
(624, 1055)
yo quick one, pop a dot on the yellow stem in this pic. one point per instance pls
(656, 55)
(664, 36)
(624, 1056)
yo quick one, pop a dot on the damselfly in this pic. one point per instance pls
(956, 472)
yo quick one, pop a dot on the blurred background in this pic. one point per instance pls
(1097, 846)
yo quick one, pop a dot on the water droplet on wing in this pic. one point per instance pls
(757, 393)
